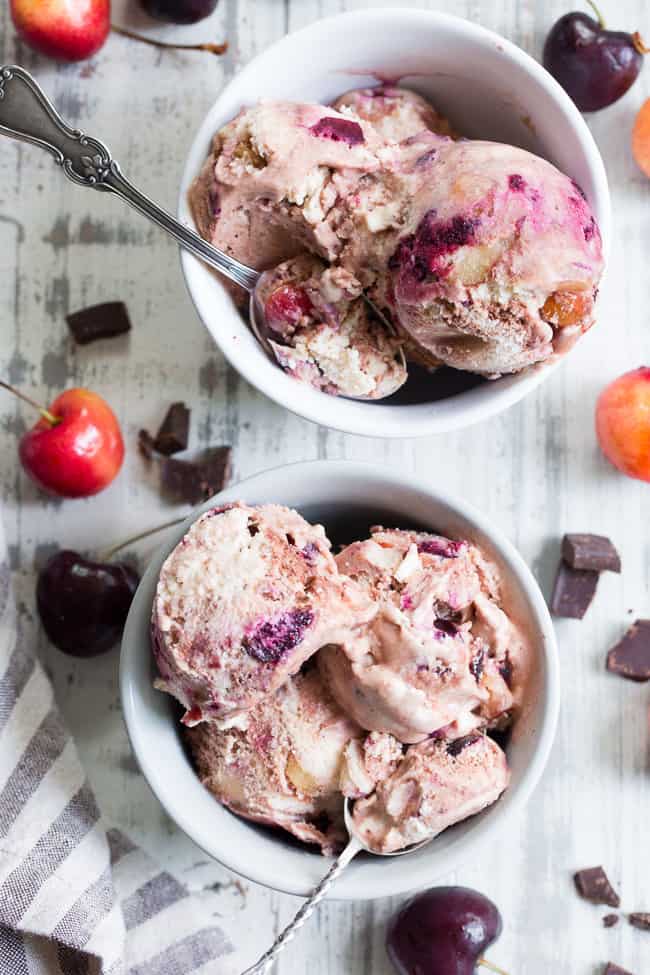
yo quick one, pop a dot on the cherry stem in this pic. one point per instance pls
(211, 48)
(493, 968)
(107, 556)
(51, 419)
(599, 16)
(639, 44)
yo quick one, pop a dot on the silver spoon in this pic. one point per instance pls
(27, 114)
(354, 846)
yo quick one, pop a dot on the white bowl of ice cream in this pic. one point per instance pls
(490, 90)
(503, 615)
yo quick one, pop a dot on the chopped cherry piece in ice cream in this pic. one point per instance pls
(424, 253)
(338, 130)
(441, 546)
(269, 641)
(286, 306)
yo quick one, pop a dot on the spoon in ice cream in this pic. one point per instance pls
(28, 115)
(354, 846)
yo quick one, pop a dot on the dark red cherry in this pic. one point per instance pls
(595, 66)
(443, 931)
(83, 605)
(179, 11)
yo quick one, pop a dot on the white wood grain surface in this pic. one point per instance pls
(535, 470)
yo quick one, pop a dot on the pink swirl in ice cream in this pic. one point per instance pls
(440, 655)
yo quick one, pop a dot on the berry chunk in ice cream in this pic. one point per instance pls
(441, 656)
(437, 784)
(244, 599)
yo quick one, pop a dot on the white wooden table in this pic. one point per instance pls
(535, 470)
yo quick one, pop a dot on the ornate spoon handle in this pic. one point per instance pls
(307, 909)
(28, 115)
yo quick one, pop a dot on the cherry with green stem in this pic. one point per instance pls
(49, 417)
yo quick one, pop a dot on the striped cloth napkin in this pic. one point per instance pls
(77, 898)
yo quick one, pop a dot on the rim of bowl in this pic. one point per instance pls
(421, 873)
(371, 419)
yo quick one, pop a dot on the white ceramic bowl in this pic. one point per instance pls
(489, 88)
(347, 498)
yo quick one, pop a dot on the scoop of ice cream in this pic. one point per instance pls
(282, 762)
(499, 259)
(394, 113)
(244, 599)
(274, 174)
(436, 784)
(326, 334)
(440, 655)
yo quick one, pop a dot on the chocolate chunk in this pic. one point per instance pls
(195, 481)
(631, 656)
(454, 748)
(612, 969)
(174, 431)
(593, 885)
(593, 552)
(640, 921)
(103, 321)
(146, 444)
(573, 591)
(610, 920)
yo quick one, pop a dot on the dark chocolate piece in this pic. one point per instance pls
(174, 431)
(594, 552)
(612, 969)
(640, 921)
(454, 748)
(103, 321)
(610, 920)
(146, 444)
(630, 657)
(593, 885)
(194, 481)
(573, 591)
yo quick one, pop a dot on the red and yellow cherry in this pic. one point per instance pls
(623, 423)
(68, 30)
(76, 448)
